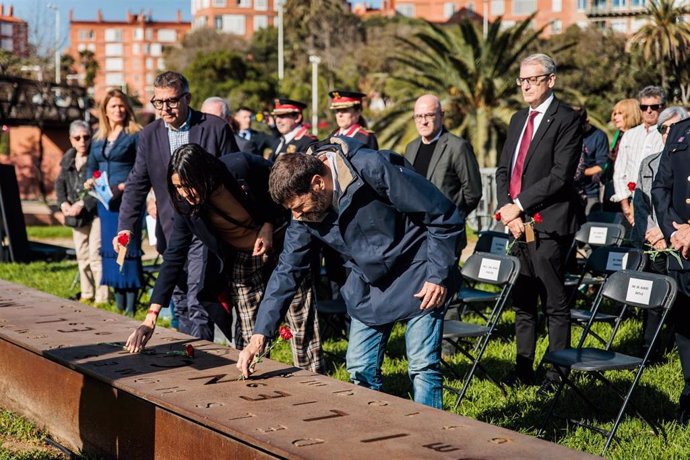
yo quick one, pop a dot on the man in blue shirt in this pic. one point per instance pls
(595, 151)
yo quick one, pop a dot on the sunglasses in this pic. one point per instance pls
(86, 137)
(663, 129)
(654, 107)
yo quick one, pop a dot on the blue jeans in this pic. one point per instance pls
(423, 347)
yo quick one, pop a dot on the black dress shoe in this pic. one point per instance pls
(516, 378)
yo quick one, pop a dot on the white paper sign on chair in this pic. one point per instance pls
(498, 245)
(639, 291)
(597, 235)
(615, 261)
(489, 269)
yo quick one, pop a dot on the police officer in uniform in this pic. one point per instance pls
(671, 196)
(294, 136)
(348, 115)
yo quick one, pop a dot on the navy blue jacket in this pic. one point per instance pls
(246, 178)
(394, 229)
(119, 163)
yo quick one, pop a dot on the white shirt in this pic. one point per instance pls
(541, 108)
(636, 144)
(285, 140)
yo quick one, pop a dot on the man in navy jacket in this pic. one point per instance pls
(400, 239)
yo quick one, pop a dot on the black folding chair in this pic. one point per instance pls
(492, 242)
(591, 235)
(601, 264)
(497, 270)
(607, 217)
(635, 289)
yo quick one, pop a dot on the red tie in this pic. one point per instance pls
(516, 179)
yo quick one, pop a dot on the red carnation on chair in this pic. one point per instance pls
(632, 186)
(123, 239)
(96, 174)
(497, 216)
(537, 218)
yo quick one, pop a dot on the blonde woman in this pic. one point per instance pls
(113, 152)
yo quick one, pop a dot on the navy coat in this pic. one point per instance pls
(394, 229)
(151, 169)
(117, 165)
(246, 179)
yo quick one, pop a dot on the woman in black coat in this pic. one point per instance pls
(225, 203)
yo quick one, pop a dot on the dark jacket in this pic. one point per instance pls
(151, 169)
(453, 169)
(117, 165)
(70, 185)
(671, 187)
(246, 177)
(548, 171)
(300, 143)
(394, 229)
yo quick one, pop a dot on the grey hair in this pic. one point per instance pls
(218, 100)
(652, 91)
(545, 60)
(671, 112)
(79, 125)
(171, 79)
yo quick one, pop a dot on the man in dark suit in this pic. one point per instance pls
(535, 176)
(261, 140)
(294, 136)
(671, 197)
(177, 125)
(447, 160)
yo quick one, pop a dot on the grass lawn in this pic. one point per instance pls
(521, 410)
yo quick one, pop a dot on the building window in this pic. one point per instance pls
(113, 49)
(149, 79)
(619, 25)
(85, 35)
(261, 5)
(637, 24)
(114, 79)
(244, 3)
(167, 35)
(5, 29)
(81, 46)
(638, 3)
(219, 3)
(136, 64)
(6, 44)
(619, 4)
(581, 5)
(557, 6)
(218, 23)
(448, 9)
(114, 64)
(199, 21)
(91, 47)
(234, 24)
(498, 7)
(149, 63)
(260, 22)
(136, 49)
(524, 7)
(406, 9)
(156, 49)
(556, 26)
(113, 35)
(138, 34)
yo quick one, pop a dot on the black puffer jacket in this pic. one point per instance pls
(69, 186)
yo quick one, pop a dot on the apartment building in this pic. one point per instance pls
(129, 53)
(239, 17)
(14, 32)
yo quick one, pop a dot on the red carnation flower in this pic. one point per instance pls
(497, 216)
(537, 218)
(189, 350)
(96, 174)
(285, 333)
(123, 239)
(631, 186)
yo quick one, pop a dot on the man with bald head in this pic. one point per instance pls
(446, 160)
(219, 107)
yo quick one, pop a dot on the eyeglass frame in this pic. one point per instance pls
(172, 102)
(519, 80)
(422, 117)
(664, 129)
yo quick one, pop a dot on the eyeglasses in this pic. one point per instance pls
(654, 107)
(663, 129)
(424, 117)
(172, 103)
(86, 137)
(531, 80)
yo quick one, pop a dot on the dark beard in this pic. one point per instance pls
(322, 203)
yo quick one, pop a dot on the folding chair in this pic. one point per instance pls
(635, 289)
(601, 264)
(497, 270)
(592, 234)
(606, 217)
(492, 242)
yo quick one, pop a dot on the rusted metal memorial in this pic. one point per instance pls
(60, 368)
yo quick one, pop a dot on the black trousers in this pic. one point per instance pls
(542, 274)
(679, 317)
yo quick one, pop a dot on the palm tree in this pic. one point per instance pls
(474, 78)
(665, 38)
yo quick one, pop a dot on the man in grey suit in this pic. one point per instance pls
(445, 159)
